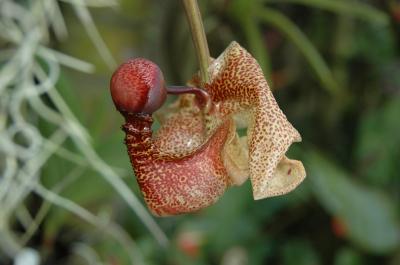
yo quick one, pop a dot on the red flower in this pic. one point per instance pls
(197, 154)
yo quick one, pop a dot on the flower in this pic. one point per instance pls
(197, 153)
(239, 92)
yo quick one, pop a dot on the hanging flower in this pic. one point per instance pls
(196, 154)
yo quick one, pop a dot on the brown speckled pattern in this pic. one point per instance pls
(238, 85)
(183, 129)
(195, 156)
(238, 88)
(175, 184)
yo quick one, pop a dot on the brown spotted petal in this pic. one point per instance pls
(239, 88)
(185, 128)
(182, 127)
(175, 184)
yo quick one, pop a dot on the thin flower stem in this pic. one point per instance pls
(202, 96)
(199, 37)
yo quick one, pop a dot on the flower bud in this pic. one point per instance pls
(137, 86)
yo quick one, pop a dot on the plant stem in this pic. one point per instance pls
(199, 38)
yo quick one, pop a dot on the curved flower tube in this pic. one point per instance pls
(175, 184)
(170, 183)
(196, 154)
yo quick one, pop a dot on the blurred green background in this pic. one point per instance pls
(334, 67)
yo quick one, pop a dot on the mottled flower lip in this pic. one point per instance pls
(239, 89)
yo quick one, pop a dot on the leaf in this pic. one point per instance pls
(376, 45)
(88, 191)
(344, 7)
(299, 252)
(314, 58)
(227, 213)
(378, 146)
(348, 256)
(369, 216)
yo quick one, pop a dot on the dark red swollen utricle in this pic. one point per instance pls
(171, 184)
(137, 86)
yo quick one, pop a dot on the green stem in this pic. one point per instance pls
(199, 38)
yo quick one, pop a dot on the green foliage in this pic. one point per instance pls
(348, 256)
(369, 217)
(378, 145)
(304, 45)
(344, 7)
(299, 252)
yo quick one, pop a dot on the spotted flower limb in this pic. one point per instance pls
(239, 92)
